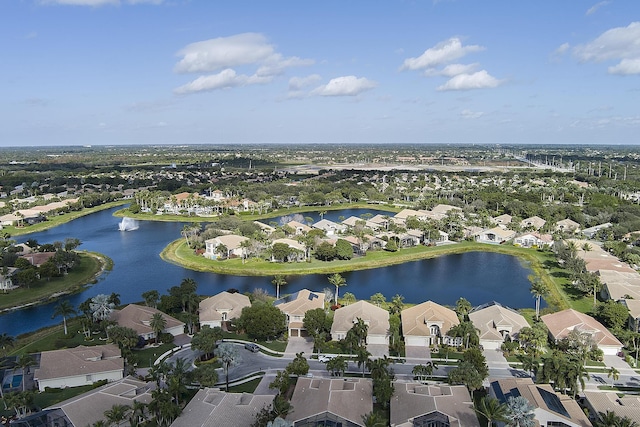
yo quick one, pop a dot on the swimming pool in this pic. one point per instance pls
(12, 381)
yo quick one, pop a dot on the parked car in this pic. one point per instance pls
(252, 347)
(324, 358)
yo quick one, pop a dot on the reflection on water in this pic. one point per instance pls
(478, 276)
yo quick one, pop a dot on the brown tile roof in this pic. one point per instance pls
(415, 319)
(137, 317)
(562, 322)
(300, 302)
(38, 258)
(211, 308)
(80, 360)
(376, 318)
(492, 319)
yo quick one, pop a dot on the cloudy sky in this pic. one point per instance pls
(367, 71)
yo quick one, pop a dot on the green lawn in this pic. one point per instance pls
(84, 273)
(248, 387)
(276, 345)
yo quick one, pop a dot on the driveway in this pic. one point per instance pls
(299, 344)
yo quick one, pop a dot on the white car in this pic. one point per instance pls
(324, 359)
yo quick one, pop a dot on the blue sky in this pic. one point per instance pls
(80, 72)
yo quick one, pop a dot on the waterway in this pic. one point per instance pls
(479, 277)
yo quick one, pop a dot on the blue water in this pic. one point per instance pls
(480, 277)
(15, 382)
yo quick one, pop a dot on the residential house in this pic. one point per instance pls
(232, 242)
(38, 258)
(619, 285)
(437, 405)
(10, 219)
(300, 255)
(550, 408)
(495, 235)
(563, 322)
(592, 231)
(138, 318)
(211, 407)
(496, 324)
(633, 305)
(428, 324)
(381, 221)
(335, 402)
(352, 221)
(329, 227)
(376, 319)
(215, 311)
(89, 408)
(404, 214)
(6, 283)
(533, 240)
(295, 307)
(298, 227)
(533, 223)
(597, 402)
(504, 219)
(72, 367)
(567, 226)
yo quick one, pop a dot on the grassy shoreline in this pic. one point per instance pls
(539, 262)
(54, 221)
(255, 217)
(90, 267)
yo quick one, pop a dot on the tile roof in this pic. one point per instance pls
(81, 360)
(562, 322)
(415, 320)
(376, 318)
(211, 309)
(137, 317)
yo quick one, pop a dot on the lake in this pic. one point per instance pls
(479, 277)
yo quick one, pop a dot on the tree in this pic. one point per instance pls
(281, 382)
(463, 307)
(338, 281)
(206, 375)
(520, 412)
(65, 309)
(325, 251)
(372, 419)
(614, 374)
(114, 298)
(278, 281)
(611, 419)
(151, 298)
(101, 307)
(298, 366)
(117, 414)
(397, 303)
(229, 356)
(348, 298)
(157, 324)
(23, 362)
(424, 371)
(280, 251)
(378, 299)
(492, 410)
(337, 366)
(206, 340)
(317, 324)
(6, 341)
(466, 374)
(362, 357)
(538, 290)
(344, 250)
(466, 331)
(263, 321)
(613, 314)
(391, 246)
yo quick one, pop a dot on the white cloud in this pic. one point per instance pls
(562, 49)
(626, 67)
(596, 6)
(345, 86)
(442, 53)
(224, 79)
(297, 83)
(276, 65)
(468, 114)
(479, 80)
(620, 43)
(452, 70)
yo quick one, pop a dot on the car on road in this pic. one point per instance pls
(324, 358)
(252, 347)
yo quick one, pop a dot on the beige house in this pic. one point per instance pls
(323, 401)
(495, 235)
(415, 404)
(534, 222)
(295, 306)
(138, 318)
(496, 323)
(376, 319)
(623, 406)
(211, 407)
(215, 310)
(567, 225)
(428, 324)
(619, 285)
(6, 284)
(503, 219)
(230, 241)
(298, 227)
(563, 322)
(633, 305)
(89, 407)
(534, 239)
(72, 367)
(551, 408)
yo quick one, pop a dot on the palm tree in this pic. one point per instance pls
(614, 374)
(362, 357)
(101, 307)
(611, 419)
(538, 290)
(65, 309)
(116, 414)
(463, 307)
(492, 410)
(228, 355)
(372, 419)
(278, 281)
(348, 298)
(158, 323)
(6, 341)
(338, 281)
(24, 362)
(137, 415)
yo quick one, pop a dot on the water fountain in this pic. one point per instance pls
(128, 224)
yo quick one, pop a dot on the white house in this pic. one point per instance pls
(530, 240)
(495, 235)
(72, 367)
(329, 227)
(295, 307)
(6, 284)
(230, 241)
